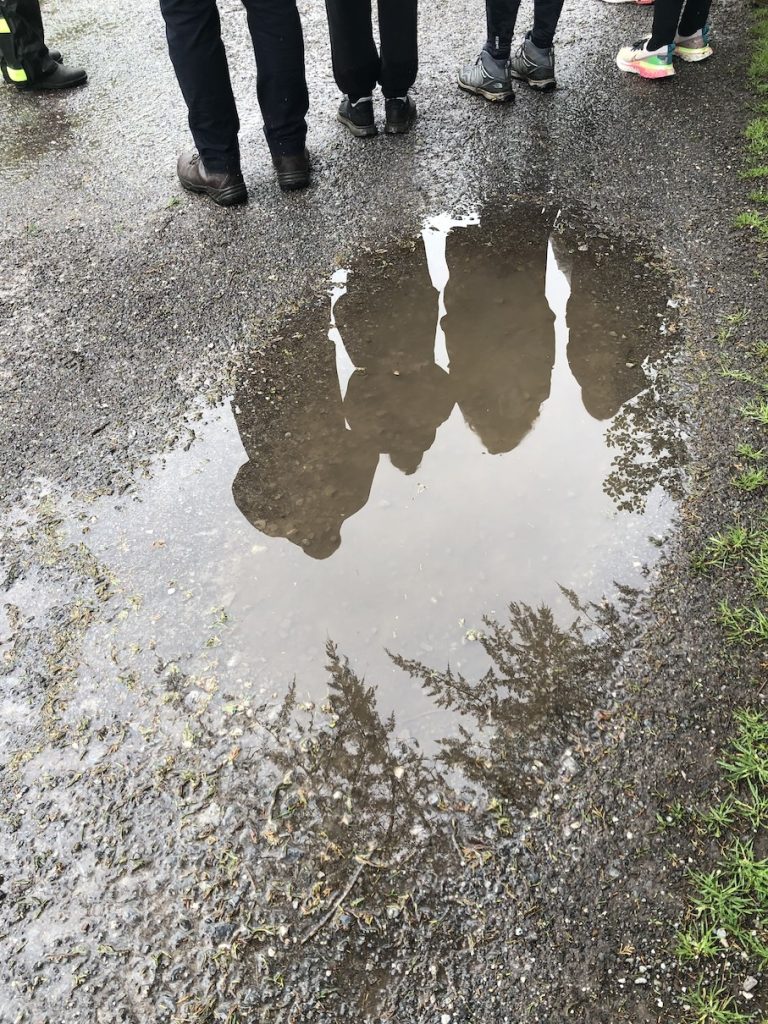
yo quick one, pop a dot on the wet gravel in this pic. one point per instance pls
(131, 886)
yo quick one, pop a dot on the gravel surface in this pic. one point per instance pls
(167, 856)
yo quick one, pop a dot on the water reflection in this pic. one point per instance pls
(473, 320)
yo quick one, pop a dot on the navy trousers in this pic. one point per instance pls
(197, 52)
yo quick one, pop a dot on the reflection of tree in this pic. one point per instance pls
(650, 451)
(357, 847)
(543, 677)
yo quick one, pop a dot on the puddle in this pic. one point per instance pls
(346, 629)
(468, 422)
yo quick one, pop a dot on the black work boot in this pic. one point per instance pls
(534, 66)
(226, 188)
(59, 76)
(357, 117)
(292, 171)
(400, 114)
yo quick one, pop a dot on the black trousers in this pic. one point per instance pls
(193, 31)
(357, 64)
(22, 41)
(501, 16)
(666, 17)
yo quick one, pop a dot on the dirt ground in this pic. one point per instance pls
(175, 848)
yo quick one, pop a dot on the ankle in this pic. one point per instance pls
(498, 54)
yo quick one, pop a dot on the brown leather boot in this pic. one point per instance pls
(226, 188)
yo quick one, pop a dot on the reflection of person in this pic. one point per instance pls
(306, 472)
(399, 397)
(609, 337)
(499, 332)
(358, 66)
(25, 59)
(197, 52)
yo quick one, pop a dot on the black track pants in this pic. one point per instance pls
(666, 18)
(357, 64)
(501, 16)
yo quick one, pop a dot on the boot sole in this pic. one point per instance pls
(399, 129)
(546, 85)
(366, 131)
(231, 196)
(493, 97)
(41, 87)
(293, 182)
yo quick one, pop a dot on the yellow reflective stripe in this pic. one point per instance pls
(16, 74)
(5, 28)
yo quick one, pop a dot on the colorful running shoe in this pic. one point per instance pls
(695, 47)
(639, 60)
(640, 3)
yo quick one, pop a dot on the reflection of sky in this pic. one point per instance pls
(418, 566)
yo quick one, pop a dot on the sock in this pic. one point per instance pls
(363, 99)
(499, 47)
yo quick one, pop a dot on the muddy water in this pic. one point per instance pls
(467, 422)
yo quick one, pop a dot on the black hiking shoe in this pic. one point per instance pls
(534, 66)
(293, 171)
(400, 114)
(357, 117)
(487, 77)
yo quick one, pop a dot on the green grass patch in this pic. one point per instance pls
(757, 129)
(728, 903)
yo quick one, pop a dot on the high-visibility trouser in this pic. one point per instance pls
(23, 53)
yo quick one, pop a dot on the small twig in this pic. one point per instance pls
(337, 903)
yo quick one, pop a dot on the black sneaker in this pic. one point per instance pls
(357, 117)
(487, 77)
(534, 66)
(400, 114)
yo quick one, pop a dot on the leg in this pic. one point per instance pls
(694, 17)
(197, 53)
(546, 14)
(278, 45)
(501, 16)
(666, 15)
(356, 62)
(398, 27)
(22, 44)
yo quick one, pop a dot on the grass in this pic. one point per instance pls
(725, 931)
(757, 130)
(728, 904)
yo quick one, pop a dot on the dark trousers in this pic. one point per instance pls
(501, 16)
(357, 64)
(22, 41)
(193, 30)
(666, 17)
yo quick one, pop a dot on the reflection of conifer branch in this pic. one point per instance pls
(651, 452)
